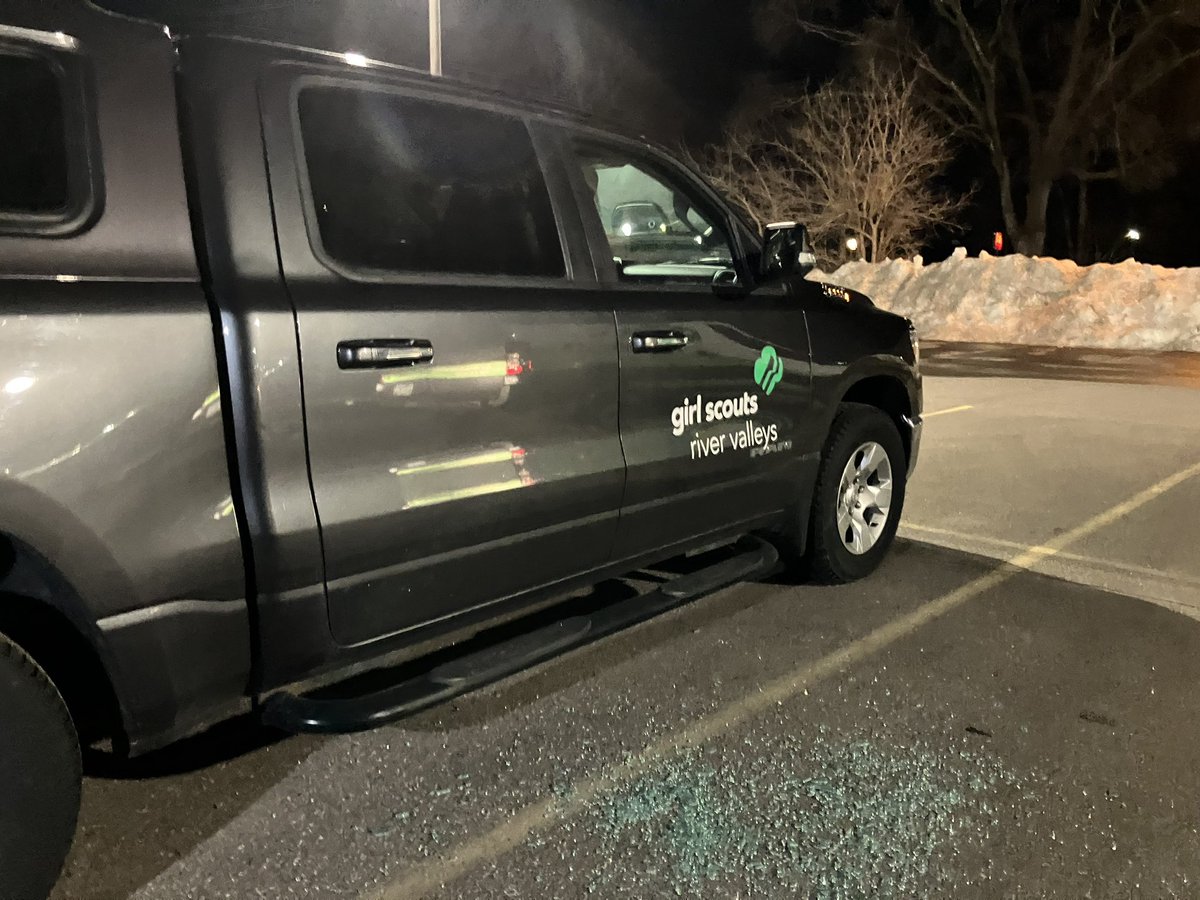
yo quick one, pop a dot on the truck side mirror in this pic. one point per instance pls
(786, 253)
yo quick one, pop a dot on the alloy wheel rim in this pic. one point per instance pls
(864, 498)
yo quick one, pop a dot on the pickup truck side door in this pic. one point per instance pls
(715, 390)
(460, 391)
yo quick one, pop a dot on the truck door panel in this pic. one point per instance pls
(460, 393)
(715, 391)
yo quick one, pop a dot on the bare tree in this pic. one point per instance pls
(1050, 91)
(752, 168)
(857, 158)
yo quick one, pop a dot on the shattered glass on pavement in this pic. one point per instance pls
(827, 818)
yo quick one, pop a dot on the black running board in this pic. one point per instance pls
(472, 671)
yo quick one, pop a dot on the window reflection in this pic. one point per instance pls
(656, 230)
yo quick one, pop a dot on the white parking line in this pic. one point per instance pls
(1173, 590)
(1002, 544)
(946, 412)
(426, 877)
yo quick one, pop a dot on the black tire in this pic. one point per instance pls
(829, 560)
(40, 777)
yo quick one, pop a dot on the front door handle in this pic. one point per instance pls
(383, 353)
(658, 341)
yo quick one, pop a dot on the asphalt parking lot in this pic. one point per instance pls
(1006, 709)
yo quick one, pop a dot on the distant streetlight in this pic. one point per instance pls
(1132, 236)
(852, 244)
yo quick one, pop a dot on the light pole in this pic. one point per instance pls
(435, 37)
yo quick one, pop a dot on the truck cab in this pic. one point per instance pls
(313, 364)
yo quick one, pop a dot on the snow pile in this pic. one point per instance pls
(1024, 300)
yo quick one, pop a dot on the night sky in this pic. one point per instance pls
(672, 70)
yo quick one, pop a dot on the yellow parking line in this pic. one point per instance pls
(541, 815)
(946, 412)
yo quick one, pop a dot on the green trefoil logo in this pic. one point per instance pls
(768, 369)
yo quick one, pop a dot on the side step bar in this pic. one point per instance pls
(474, 670)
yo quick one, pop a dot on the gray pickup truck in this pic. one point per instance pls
(312, 365)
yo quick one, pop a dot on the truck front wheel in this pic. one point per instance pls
(859, 495)
(40, 777)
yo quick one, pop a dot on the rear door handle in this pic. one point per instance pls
(383, 353)
(658, 341)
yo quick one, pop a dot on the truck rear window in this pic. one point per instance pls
(400, 184)
(33, 141)
(47, 153)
